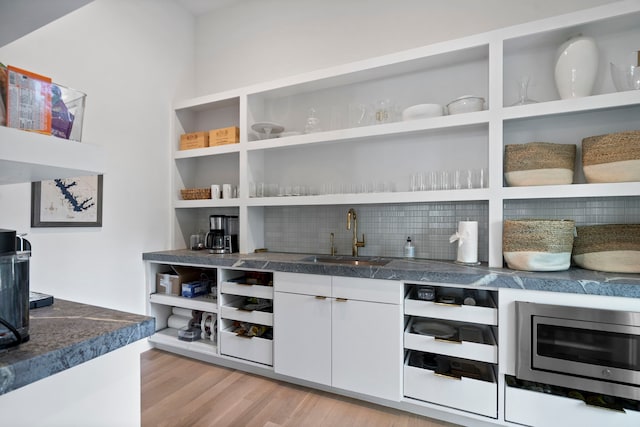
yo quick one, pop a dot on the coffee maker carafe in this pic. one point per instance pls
(14, 289)
(214, 240)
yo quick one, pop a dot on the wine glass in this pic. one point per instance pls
(523, 87)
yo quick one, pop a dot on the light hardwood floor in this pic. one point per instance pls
(178, 391)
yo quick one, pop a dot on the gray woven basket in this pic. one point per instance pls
(539, 155)
(538, 235)
(613, 147)
(608, 237)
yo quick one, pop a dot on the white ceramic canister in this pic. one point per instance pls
(576, 67)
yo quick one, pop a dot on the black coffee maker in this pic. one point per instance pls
(222, 237)
(14, 289)
(214, 240)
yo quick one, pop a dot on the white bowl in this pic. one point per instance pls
(466, 104)
(625, 77)
(422, 111)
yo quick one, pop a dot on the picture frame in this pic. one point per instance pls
(67, 202)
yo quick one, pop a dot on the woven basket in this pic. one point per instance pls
(539, 163)
(611, 247)
(538, 244)
(614, 157)
(195, 193)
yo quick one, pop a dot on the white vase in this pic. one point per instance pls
(576, 67)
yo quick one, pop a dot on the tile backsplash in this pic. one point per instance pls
(307, 229)
(584, 211)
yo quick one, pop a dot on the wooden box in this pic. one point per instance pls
(222, 136)
(194, 140)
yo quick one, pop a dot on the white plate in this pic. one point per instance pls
(437, 329)
(267, 127)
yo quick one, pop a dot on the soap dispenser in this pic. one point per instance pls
(409, 249)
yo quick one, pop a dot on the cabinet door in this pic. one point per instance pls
(302, 337)
(367, 348)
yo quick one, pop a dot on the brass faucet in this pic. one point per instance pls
(355, 244)
(333, 246)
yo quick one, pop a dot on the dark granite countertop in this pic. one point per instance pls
(65, 335)
(574, 280)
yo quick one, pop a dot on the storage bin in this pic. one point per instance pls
(467, 394)
(195, 193)
(193, 140)
(223, 136)
(614, 157)
(538, 244)
(539, 163)
(612, 247)
(67, 112)
(255, 349)
(456, 346)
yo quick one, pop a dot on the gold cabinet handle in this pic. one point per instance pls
(448, 376)
(320, 297)
(448, 304)
(244, 336)
(342, 299)
(447, 340)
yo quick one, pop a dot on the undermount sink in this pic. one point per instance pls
(344, 260)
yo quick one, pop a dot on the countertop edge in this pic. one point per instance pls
(18, 370)
(574, 280)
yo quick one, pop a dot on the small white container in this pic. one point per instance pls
(422, 111)
(466, 104)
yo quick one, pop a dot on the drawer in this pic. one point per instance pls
(524, 407)
(452, 346)
(244, 289)
(373, 290)
(461, 313)
(466, 394)
(305, 284)
(231, 311)
(254, 349)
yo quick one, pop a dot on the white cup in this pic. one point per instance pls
(226, 191)
(215, 191)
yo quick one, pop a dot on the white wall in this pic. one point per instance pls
(133, 59)
(252, 41)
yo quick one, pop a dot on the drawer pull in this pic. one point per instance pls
(320, 297)
(447, 340)
(342, 299)
(448, 376)
(244, 309)
(242, 284)
(604, 406)
(448, 304)
(244, 336)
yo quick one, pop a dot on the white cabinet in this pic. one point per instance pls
(366, 344)
(302, 338)
(451, 347)
(487, 65)
(29, 157)
(338, 331)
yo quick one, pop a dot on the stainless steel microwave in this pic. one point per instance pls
(580, 348)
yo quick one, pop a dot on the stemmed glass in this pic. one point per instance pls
(523, 87)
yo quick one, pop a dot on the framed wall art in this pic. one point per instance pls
(67, 202)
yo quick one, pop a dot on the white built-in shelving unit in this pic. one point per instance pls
(487, 65)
